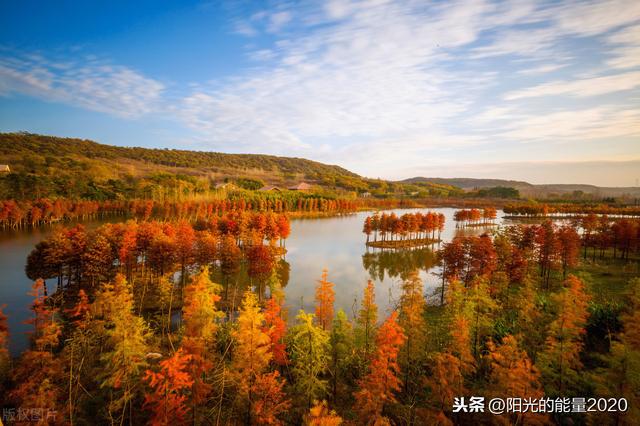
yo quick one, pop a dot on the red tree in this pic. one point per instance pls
(378, 386)
(167, 399)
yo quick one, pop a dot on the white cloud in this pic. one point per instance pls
(626, 54)
(349, 79)
(89, 84)
(594, 17)
(278, 20)
(382, 86)
(524, 43)
(604, 122)
(580, 88)
(628, 35)
(542, 69)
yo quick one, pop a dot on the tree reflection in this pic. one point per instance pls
(283, 269)
(398, 263)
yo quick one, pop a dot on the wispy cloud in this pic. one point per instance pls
(89, 83)
(348, 78)
(626, 53)
(593, 17)
(580, 88)
(542, 69)
(391, 83)
(606, 122)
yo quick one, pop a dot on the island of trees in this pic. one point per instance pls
(475, 217)
(408, 230)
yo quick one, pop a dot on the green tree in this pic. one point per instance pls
(366, 324)
(411, 319)
(124, 362)
(341, 341)
(560, 362)
(309, 346)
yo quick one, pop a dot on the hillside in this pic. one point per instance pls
(48, 166)
(528, 189)
(16, 145)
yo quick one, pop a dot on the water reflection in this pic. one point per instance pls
(398, 263)
(283, 269)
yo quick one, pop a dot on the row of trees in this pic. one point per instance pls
(412, 226)
(236, 244)
(513, 250)
(475, 217)
(99, 361)
(619, 237)
(21, 214)
(576, 209)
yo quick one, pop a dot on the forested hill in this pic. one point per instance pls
(14, 146)
(48, 166)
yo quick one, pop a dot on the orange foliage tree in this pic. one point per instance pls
(569, 246)
(325, 296)
(38, 373)
(378, 386)
(200, 314)
(167, 399)
(451, 367)
(321, 415)
(275, 327)
(269, 400)
(514, 375)
(252, 352)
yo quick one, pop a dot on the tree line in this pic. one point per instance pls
(618, 237)
(236, 245)
(548, 246)
(563, 210)
(16, 214)
(475, 217)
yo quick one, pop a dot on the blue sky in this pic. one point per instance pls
(547, 92)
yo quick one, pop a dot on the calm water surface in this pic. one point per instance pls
(335, 243)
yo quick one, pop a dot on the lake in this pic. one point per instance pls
(336, 243)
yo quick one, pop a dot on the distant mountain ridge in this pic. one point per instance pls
(528, 189)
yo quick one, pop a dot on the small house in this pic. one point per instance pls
(4, 168)
(302, 186)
